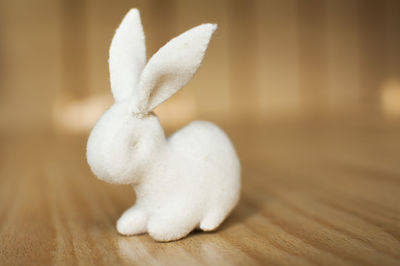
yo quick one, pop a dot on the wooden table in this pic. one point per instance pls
(322, 192)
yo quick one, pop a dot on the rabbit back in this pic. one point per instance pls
(207, 162)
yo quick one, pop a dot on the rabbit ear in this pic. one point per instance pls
(172, 67)
(127, 56)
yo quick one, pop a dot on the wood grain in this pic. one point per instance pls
(309, 91)
(314, 193)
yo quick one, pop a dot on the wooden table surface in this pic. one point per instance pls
(316, 192)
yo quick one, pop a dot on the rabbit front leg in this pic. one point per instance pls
(133, 221)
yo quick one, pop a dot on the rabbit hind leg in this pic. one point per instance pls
(169, 226)
(212, 220)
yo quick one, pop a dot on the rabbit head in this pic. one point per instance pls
(126, 139)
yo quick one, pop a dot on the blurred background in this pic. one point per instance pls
(308, 91)
(268, 61)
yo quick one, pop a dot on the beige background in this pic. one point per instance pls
(268, 60)
(308, 91)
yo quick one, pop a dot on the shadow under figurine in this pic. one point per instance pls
(186, 181)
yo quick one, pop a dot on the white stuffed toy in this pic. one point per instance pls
(186, 181)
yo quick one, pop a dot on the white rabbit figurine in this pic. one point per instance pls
(186, 181)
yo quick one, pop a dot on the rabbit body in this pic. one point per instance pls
(186, 181)
(195, 182)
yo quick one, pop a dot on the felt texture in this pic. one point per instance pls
(186, 181)
(127, 56)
